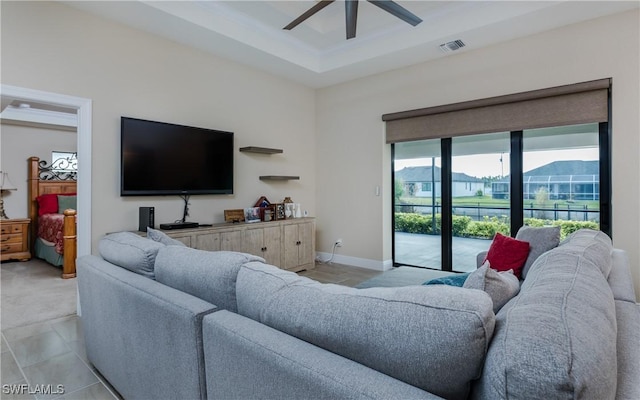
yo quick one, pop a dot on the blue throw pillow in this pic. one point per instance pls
(452, 280)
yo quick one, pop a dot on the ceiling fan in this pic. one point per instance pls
(351, 13)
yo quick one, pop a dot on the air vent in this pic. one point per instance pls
(452, 46)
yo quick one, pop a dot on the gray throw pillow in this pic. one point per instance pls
(541, 240)
(161, 237)
(67, 202)
(130, 251)
(500, 286)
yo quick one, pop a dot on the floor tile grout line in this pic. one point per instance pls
(15, 359)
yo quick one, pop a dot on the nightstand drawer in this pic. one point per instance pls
(14, 239)
(11, 247)
(12, 228)
(10, 238)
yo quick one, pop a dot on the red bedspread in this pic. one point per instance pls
(50, 229)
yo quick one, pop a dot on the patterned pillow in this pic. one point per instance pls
(500, 286)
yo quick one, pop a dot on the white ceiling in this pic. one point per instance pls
(316, 52)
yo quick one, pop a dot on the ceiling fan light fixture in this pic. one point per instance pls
(452, 46)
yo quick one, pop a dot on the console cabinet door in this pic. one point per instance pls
(306, 236)
(290, 246)
(298, 246)
(186, 239)
(253, 241)
(208, 241)
(273, 246)
(231, 241)
(264, 242)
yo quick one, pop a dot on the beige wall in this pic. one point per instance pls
(18, 144)
(350, 132)
(333, 138)
(52, 47)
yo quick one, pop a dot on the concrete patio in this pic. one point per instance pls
(422, 250)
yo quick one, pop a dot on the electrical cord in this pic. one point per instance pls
(328, 261)
(185, 211)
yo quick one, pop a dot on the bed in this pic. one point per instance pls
(52, 199)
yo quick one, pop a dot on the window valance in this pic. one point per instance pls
(579, 103)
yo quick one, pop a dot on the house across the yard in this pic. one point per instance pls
(419, 181)
(562, 180)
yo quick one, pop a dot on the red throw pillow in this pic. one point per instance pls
(47, 204)
(507, 253)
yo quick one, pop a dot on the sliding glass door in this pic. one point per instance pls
(453, 195)
(417, 203)
(561, 179)
(477, 162)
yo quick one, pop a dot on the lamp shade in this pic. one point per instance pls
(5, 182)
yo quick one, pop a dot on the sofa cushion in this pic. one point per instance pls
(130, 251)
(208, 275)
(507, 253)
(417, 334)
(593, 245)
(256, 282)
(540, 239)
(500, 286)
(161, 237)
(557, 338)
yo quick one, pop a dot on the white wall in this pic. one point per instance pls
(18, 144)
(349, 117)
(52, 47)
(333, 138)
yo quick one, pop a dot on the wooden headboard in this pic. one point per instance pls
(44, 179)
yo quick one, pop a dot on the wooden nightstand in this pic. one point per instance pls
(14, 240)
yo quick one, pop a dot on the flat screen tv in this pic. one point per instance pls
(159, 158)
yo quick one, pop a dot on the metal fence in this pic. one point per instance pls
(565, 212)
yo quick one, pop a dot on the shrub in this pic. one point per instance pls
(487, 228)
(464, 226)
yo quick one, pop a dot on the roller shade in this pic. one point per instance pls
(574, 104)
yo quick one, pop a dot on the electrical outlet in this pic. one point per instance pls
(339, 243)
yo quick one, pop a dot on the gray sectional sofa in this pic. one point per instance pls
(164, 321)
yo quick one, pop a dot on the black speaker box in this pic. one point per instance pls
(147, 218)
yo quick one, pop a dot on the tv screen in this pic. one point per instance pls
(163, 159)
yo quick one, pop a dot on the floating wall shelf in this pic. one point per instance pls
(278, 178)
(261, 150)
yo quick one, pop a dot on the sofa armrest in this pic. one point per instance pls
(133, 324)
(628, 319)
(246, 359)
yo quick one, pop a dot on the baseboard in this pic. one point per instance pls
(356, 261)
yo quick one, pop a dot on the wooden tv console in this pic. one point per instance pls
(288, 244)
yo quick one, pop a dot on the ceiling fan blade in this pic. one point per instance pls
(397, 10)
(317, 7)
(351, 16)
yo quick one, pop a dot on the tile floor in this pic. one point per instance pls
(52, 352)
(37, 358)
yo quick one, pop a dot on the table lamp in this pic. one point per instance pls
(5, 184)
